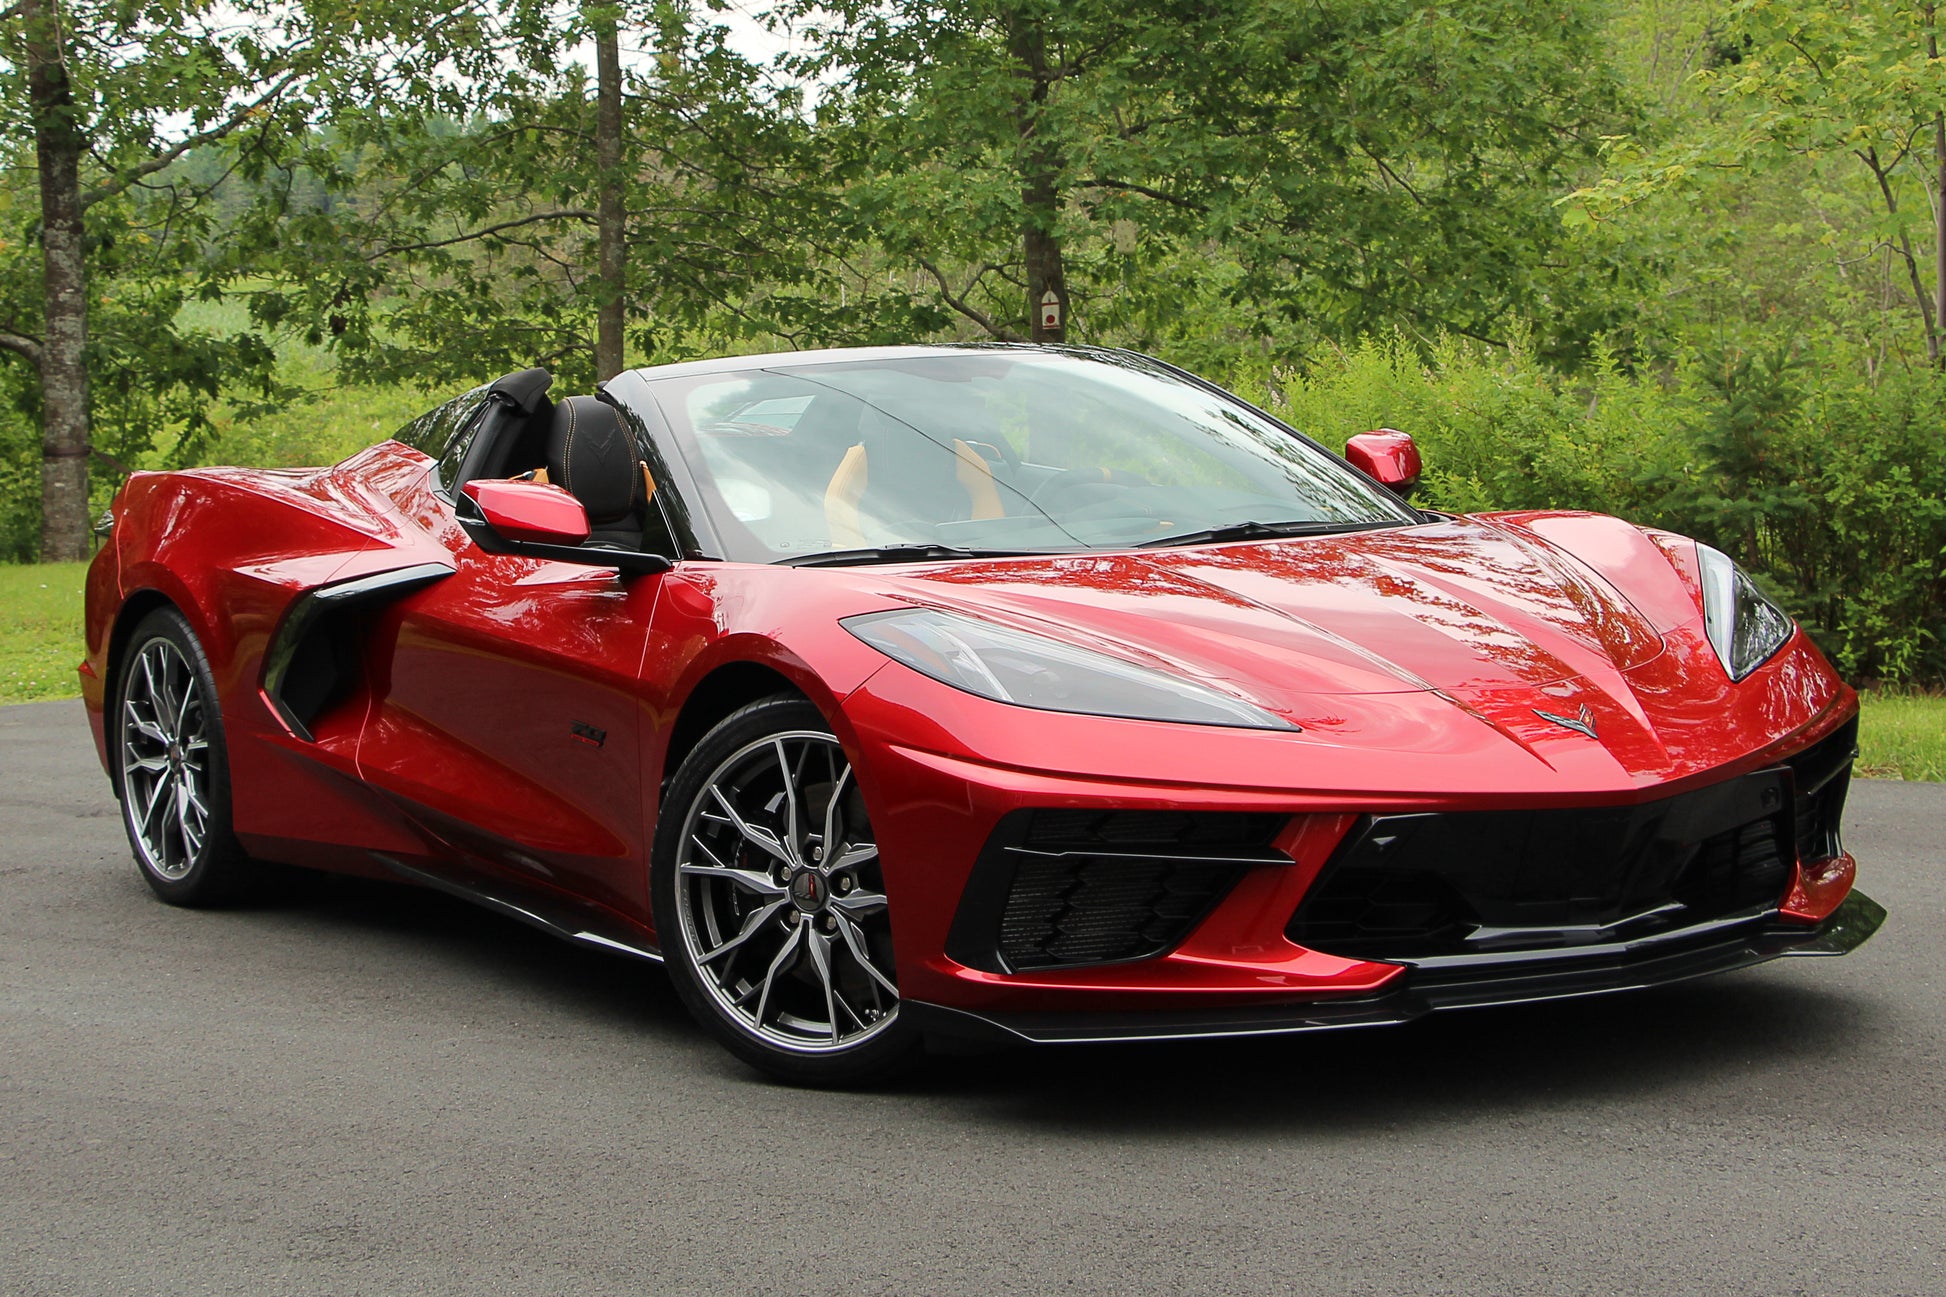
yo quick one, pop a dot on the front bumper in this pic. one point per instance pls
(1624, 966)
(948, 782)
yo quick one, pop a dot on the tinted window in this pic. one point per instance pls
(445, 433)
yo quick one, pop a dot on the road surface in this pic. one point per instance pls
(361, 1088)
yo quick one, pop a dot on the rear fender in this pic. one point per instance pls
(236, 553)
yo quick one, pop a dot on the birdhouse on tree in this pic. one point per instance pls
(1050, 310)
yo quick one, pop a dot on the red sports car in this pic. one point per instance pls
(1003, 693)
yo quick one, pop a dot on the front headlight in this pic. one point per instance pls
(1012, 666)
(1745, 628)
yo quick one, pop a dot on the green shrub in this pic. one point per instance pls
(20, 488)
(1827, 482)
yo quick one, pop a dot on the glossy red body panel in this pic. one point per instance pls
(530, 511)
(1818, 888)
(1414, 660)
(1387, 456)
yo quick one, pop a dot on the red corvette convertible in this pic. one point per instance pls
(1002, 693)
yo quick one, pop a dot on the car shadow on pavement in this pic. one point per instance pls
(1451, 1066)
(467, 944)
(1754, 1026)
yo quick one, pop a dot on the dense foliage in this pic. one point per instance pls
(1674, 259)
(1829, 484)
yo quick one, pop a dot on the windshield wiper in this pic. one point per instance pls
(1254, 530)
(908, 553)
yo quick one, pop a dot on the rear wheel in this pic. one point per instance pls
(172, 773)
(771, 904)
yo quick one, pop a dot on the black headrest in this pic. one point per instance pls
(591, 454)
(526, 389)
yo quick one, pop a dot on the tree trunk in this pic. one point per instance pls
(1921, 298)
(611, 215)
(59, 143)
(1041, 251)
(1040, 193)
(1939, 192)
(1939, 225)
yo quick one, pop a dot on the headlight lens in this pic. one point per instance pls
(1027, 670)
(1745, 628)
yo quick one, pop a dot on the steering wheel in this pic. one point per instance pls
(1008, 455)
(1069, 479)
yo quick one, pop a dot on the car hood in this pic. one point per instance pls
(1391, 639)
(1457, 605)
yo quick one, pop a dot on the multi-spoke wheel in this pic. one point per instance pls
(770, 901)
(171, 771)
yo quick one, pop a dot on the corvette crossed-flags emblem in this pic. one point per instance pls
(1583, 722)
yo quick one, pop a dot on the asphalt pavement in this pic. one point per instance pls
(360, 1088)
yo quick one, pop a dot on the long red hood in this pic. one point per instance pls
(1415, 639)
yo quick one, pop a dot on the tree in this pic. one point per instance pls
(1806, 82)
(566, 221)
(115, 96)
(611, 215)
(1337, 165)
(978, 142)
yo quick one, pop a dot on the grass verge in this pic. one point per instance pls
(40, 630)
(1903, 736)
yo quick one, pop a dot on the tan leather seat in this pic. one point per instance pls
(845, 495)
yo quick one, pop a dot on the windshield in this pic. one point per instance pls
(997, 452)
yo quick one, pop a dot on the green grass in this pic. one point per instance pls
(335, 420)
(321, 431)
(40, 631)
(1903, 736)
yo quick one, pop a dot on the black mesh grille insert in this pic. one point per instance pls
(1823, 775)
(1094, 910)
(1059, 888)
(1155, 830)
(1474, 883)
(1739, 869)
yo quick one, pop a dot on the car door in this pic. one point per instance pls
(507, 720)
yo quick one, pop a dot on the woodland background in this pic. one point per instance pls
(1680, 260)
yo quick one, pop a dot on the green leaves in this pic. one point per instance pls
(1832, 101)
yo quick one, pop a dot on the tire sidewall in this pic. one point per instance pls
(875, 1059)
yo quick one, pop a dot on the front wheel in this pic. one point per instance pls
(770, 900)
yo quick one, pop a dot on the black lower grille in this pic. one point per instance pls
(1060, 888)
(1473, 883)
(1739, 869)
(1095, 910)
(1148, 830)
(1822, 773)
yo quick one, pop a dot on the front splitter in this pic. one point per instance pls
(1426, 991)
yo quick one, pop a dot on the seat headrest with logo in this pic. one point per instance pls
(593, 455)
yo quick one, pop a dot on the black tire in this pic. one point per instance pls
(165, 735)
(778, 941)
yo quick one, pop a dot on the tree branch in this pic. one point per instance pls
(109, 188)
(1869, 156)
(1386, 171)
(1103, 182)
(561, 214)
(22, 346)
(111, 461)
(971, 312)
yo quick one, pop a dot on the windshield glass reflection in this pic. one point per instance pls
(996, 452)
